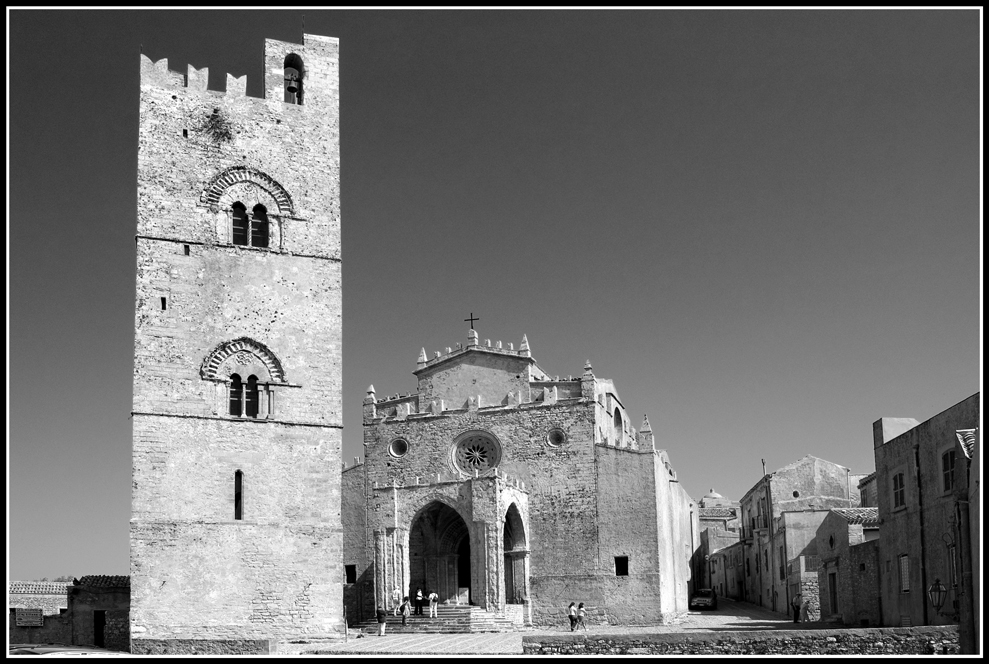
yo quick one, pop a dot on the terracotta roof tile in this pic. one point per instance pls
(37, 587)
(866, 516)
(105, 581)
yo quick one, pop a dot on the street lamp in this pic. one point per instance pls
(937, 593)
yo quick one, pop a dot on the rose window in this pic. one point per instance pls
(476, 453)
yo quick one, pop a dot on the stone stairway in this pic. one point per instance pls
(450, 619)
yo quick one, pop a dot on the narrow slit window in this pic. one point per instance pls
(621, 565)
(164, 303)
(239, 496)
(185, 248)
(185, 133)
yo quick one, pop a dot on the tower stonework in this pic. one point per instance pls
(235, 534)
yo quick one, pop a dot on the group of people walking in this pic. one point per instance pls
(402, 607)
(576, 613)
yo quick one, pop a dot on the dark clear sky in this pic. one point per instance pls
(763, 226)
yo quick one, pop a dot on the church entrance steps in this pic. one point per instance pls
(450, 619)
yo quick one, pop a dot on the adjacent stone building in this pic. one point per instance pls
(42, 606)
(848, 576)
(923, 476)
(719, 527)
(498, 485)
(778, 551)
(235, 527)
(90, 611)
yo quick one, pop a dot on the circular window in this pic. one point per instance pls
(399, 447)
(556, 437)
(476, 452)
(796, 494)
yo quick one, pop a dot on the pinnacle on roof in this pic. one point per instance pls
(645, 425)
(524, 346)
(370, 389)
(422, 356)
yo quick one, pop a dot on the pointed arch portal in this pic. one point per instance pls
(515, 552)
(439, 553)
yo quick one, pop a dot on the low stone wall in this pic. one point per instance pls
(888, 641)
(200, 647)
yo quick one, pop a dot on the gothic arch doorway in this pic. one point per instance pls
(515, 554)
(439, 553)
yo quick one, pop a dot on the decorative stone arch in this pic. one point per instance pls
(234, 175)
(248, 356)
(418, 504)
(516, 523)
(515, 550)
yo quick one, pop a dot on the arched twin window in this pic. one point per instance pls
(249, 230)
(245, 398)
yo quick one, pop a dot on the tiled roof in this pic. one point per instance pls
(105, 581)
(967, 438)
(37, 587)
(715, 513)
(868, 478)
(867, 516)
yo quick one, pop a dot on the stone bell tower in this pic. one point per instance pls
(235, 529)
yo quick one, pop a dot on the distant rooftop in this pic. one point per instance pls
(105, 581)
(37, 587)
(865, 516)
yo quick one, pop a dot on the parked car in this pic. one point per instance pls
(704, 598)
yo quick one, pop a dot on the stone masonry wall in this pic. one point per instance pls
(196, 571)
(54, 629)
(908, 641)
(908, 530)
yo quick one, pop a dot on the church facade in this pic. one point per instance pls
(235, 533)
(498, 485)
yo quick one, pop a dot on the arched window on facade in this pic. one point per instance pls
(239, 495)
(241, 225)
(618, 426)
(251, 397)
(259, 226)
(294, 75)
(236, 396)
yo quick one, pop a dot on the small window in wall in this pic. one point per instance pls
(240, 223)
(259, 226)
(294, 75)
(948, 469)
(164, 303)
(236, 395)
(239, 495)
(251, 397)
(351, 573)
(899, 491)
(621, 565)
(904, 573)
(185, 248)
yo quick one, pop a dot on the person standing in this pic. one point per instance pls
(418, 601)
(382, 616)
(434, 603)
(572, 614)
(396, 599)
(581, 614)
(795, 605)
(404, 610)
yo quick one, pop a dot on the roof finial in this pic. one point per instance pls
(524, 346)
(422, 356)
